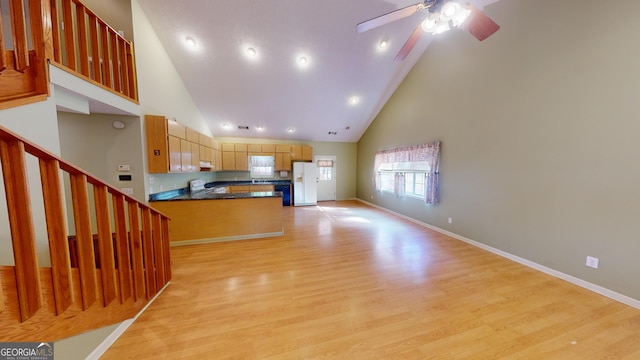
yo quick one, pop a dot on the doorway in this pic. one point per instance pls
(326, 165)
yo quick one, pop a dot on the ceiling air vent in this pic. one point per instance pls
(333, 133)
(242, 127)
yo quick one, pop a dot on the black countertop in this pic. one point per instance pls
(211, 194)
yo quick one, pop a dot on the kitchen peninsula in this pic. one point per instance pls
(215, 214)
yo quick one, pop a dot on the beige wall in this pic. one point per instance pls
(116, 13)
(539, 129)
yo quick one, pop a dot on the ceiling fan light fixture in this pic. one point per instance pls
(430, 23)
(449, 11)
(461, 16)
(443, 26)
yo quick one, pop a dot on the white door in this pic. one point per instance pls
(326, 165)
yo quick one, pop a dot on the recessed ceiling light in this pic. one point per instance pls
(303, 60)
(383, 44)
(190, 42)
(226, 126)
(251, 52)
(290, 130)
(259, 128)
(354, 100)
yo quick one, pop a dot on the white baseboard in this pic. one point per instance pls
(109, 340)
(572, 279)
(227, 238)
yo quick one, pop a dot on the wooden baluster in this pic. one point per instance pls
(86, 253)
(83, 49)
(1, 296)
(95, 48)
(122, 247)
(149, 263)
(133, 86)
(106, 64)
(55, 31)
(42, 42)
(123, 65)
(167, 254)
(158, 250)
(3, 64)
(105, 243)
(117, 80)
(136, 251)
(57, 231)
(14, 173)
(19, 28)
(69, 30)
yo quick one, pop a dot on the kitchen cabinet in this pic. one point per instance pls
(192, 135)
(175, 157)
(171, 146)
(228, 160)
(195, 157)
(185, 155)
(283, 161)
(242, 161)
(296, 152)
(254, 148)
(242, 157)
(307, 153)
(268, 148)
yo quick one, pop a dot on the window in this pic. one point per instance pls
(411, 171)
(261, 166)
(414, 184)
(325, 170)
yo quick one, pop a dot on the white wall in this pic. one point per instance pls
(37, 123)
(161, 89)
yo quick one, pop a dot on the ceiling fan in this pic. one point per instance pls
(441, 14)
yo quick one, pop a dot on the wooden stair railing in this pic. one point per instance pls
(99, 53)
(131, 244)
(70, 36)
(23, 71)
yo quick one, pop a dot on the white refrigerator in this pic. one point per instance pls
(305, 184)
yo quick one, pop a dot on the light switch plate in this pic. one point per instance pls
(128, 191)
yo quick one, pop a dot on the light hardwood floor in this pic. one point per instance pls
(348, 281)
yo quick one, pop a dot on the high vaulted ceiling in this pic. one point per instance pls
(271, 90)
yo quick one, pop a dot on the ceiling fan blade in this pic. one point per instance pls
(389, 17)
(409, 44)
(479, 25)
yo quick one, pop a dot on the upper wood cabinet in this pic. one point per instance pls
(283, 161)
(307, 153)
(228, 159)
(296, 152)
(268, 148)
(173, 147)
(254, 148)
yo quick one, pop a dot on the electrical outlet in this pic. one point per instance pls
(128, 191)
(592, 262)
(124, 168)
(450, 220)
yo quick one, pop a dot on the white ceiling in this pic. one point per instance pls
(272, 90)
